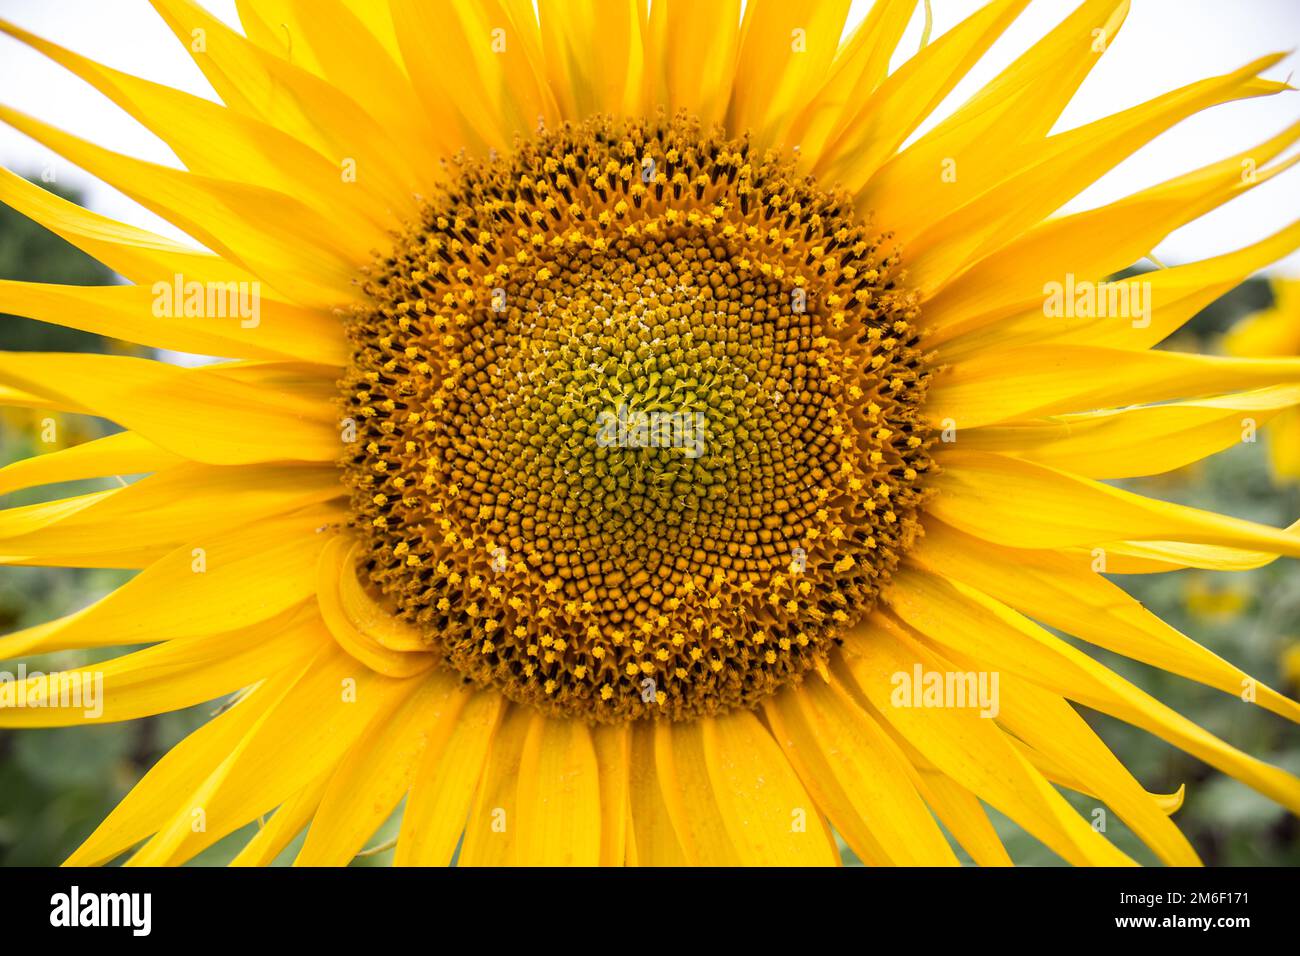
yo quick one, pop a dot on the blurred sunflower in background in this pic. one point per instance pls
(632, 446)
(1275, 331)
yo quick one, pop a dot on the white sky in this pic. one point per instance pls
(1164, 44)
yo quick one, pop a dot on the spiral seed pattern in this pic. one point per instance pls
(638, 418)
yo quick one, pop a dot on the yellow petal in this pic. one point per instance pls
(1017, 108)
(139, 255)
(771, 819)
(269, 412)
(651, 838)
(1011, 281)
(559, 795)
(287, 822)
(1140, 441)
(239, 326)
(1023, 505)
(964, 817)
(690, 56)
(273, 25)
(450, 771)
(1062, 590)
(786, 48)
(687, 793)
(485, 81)
(858, 70)
(1044, 721)
(339, 48)
(1065, 776)
(984, 630)
(492, 829)
(1156, 557)
(858, 776)
(180, 772)
(968, 748)
(260, 84)
(301, 736)
(337, 565)
(883, 120)
(594, 55)
(134, 526)
(274, 236)
(370, 781)
(215, 141)
(1038, 380)
(123, 453)
(1041, 179)
(163, 678)
(1284, 444)
(613, 744)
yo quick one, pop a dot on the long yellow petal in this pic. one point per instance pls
(274, 26)
(297, 739)
(1063, 591)
(613, 744)
(139, 255)
(486, 80)
(559, 796)
(858, 70)
(261, 84)
(379, 769)
(1065, 776)
(858, 776)
(242, 575)
(1139, 441)
(594, 55)
(238, 327)
(270, 412)
(968, 748)
(1016, 108)
(1023, 505)
(348, 56)
(651, 839)
(691, 56)
(274, 236)
(1044, 178)
(689, 797)
(288, 821)
(1035, 381)
(449, 773)
(1157, 557)
(1046, 722)
(1010, 282)
(786, 48)
(492, 829)
(123, 453)
(983, 629)
(964, 817)
(216, 141)
(883, 120)
(160, 679)
(153, 801)
(134, 526)
(771, 819)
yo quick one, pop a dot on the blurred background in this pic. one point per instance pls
(56, 785)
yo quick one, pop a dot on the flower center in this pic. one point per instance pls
(639, 421)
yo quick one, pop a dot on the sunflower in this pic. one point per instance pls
(634, 452)
(1275, 331)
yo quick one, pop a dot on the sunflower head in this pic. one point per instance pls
(640, 424)
(711, 445)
